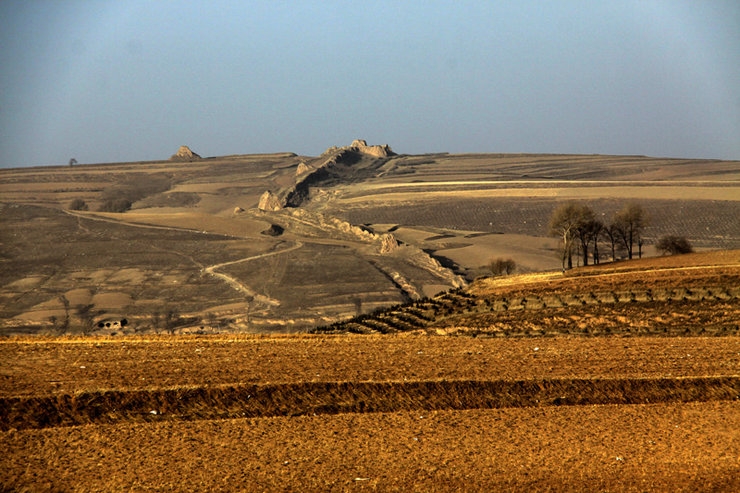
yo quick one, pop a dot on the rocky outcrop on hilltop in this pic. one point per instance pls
(303, 168)
(184, 154)
(360, 145)
(337, 165)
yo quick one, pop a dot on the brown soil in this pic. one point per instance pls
(509, 410)
(161, 396)
(63, 367)
(657, 447)
(176, 393)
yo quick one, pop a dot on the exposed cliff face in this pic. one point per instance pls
(388, 243)
(184, 154)
(336, 165)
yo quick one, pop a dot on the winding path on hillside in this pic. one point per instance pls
(212, 269)
(238, 285)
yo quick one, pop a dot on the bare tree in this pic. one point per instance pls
(53, 320)
(64, 326)
(596, 228)
(156, 319)
(585, 230)
(612, 235)
(249, 299)
(78, 205)
(571, 223)
(502, 267)
(211, 320)
(171, 318)
(629, 224)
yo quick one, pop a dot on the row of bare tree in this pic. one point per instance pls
(582, 232)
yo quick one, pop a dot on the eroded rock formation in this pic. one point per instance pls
(269, 202)
(303, 168)
(184, 154)
(360, 145)
(388, 243)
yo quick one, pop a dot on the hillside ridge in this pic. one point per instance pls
(683, 284)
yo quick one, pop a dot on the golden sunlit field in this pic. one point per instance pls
(347, 333)
(392, 413)
(633, 408)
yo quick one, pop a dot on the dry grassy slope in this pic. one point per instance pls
(670, 446)
(455, 206)
(511, 197)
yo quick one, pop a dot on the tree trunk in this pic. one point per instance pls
(566, 251)
(614, 250)
(596, 251)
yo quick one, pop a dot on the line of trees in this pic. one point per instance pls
(582, 232)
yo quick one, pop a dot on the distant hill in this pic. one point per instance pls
(362, 229)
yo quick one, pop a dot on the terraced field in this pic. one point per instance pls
(694, 295)
(155, 349)
(395, 412)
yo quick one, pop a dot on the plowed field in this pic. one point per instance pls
(536, 402)
(656, 447)
(386, 413)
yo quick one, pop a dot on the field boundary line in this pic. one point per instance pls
(329, 398)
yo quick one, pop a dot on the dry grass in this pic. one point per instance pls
(311, 399)
(691, 295)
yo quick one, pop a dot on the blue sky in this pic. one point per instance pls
(133, 80)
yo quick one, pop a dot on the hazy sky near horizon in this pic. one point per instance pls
(133, 80)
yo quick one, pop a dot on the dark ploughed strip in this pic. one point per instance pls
(315, 398)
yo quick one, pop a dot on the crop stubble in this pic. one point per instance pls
(46, 367)
(566, 448)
